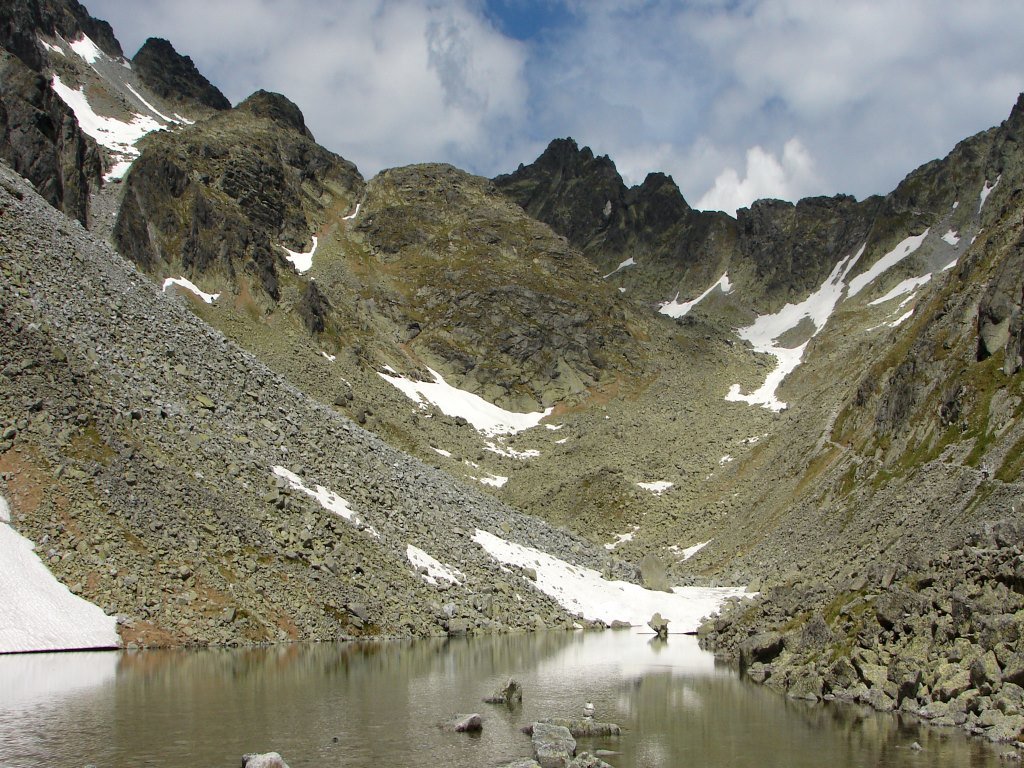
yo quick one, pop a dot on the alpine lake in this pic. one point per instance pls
(382, 704)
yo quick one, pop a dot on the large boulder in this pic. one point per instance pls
(553, 745)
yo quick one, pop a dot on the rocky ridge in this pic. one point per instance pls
(139, 448)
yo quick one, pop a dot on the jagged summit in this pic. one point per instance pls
(278, 108)
(173, 76)
(22, 21)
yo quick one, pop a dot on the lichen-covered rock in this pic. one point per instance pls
(553, 745)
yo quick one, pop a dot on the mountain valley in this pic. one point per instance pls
(248, 396)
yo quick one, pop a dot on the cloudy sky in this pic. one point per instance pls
(736, 99)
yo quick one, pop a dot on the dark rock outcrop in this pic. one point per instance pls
(22, 21)
(41, 140)
(225, 194)
(174, 77)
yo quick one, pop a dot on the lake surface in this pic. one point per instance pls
(380, 705)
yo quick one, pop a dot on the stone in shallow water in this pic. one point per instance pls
(265, 760)
(468, 723)
(553, 745)
(510, 694)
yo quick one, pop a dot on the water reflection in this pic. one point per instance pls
(380, 704)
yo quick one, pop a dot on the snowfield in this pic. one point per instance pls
(676, 309)
(37, 612)
(188, 285)
(303, 262)
(583, 590)
(325, 497)
(116, 135)
(766, 330)
(485, 417)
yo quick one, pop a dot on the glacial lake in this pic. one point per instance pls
(366, 705)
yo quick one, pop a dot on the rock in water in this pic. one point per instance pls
(659, 625)
(471, 723)
(553, 745)
(509, 694)
(265, 760)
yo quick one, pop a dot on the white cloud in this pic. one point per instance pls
(383, 83)
(872, 88)
(785, 178)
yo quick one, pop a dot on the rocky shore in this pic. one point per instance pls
(941, 638)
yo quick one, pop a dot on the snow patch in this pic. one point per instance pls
(658, 487)
(87, 49)
(511, 453)
(116, 135)
(53, 48)
(37, 612)
(901, 319)
(442, 452)
(327, 499)
(188, 285)
(485, 417)
(889, 260)
(583, 590)
(495, 481)
(353, 214)
(725, 460)
(149, 106)
(327, 357)
(689, 552)
(435, 569)
(906, 286)
(951, 237)
(677, 309)
(621, 538)
(986, 191)
(763, 335)
(622, 265)
(303, 262)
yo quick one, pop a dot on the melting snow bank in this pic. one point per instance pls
(434, 569)
(117, 136)
(622, 265)
(583, 590)
(763, 335)
(303, 262)
(891, 259)
(327, 499)
(658, 487)
(37, 612)
(209, 298)
(484, 416)
(677, 309)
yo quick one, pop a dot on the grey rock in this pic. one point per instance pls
(465, 723)
(553, 745)
(263, 760)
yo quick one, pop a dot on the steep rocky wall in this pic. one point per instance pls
(174, 77)
(225, 194)
(40, 138)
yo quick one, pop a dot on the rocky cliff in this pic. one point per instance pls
(174, 77)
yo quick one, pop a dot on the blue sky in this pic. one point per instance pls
(736, 99)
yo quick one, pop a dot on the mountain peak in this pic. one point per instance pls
(173, 76)
(22, 21)
(278, 108)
